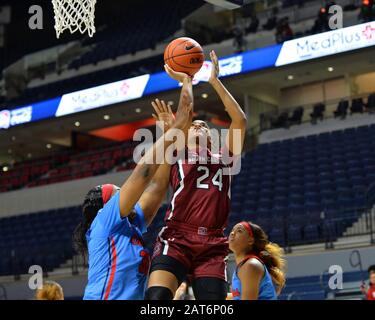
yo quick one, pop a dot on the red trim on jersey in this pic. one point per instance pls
(247, 226)
(113, 269)
(250, 256)
(236, 293)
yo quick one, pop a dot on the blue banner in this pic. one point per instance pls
(293, 51)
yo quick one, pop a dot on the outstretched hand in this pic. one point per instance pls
(178, 76)
(215, 71)
(163, 113)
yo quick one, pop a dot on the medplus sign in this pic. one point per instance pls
(368, 32)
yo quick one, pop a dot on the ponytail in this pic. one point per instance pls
(272, 256)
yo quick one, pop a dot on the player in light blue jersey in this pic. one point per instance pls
(259, 274)
(114, 218)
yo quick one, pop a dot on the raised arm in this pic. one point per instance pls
(154, 195)
(238, 117)
(135, 185)
(187, 88)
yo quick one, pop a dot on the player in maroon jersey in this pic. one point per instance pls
(192, 242)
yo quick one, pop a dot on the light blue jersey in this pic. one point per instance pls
(266, 288)
(118, 260)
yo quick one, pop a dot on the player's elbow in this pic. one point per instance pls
(240, 121)
(243, 120)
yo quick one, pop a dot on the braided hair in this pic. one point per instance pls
(92, 203)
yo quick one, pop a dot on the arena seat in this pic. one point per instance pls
(67, 166)
(329, 176)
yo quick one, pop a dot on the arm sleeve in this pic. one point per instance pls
(139, 220)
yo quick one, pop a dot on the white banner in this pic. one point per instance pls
(10, 118)
(100, 96)
(228, 67)
(327, 43)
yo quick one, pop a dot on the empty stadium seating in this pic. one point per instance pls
(286, 185)
(131, 36)
(68, 166)
(314, 287)
(44, 238)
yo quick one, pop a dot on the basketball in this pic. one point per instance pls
(184, 55)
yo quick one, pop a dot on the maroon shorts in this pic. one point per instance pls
(202, 251)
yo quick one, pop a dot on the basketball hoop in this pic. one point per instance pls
(75, 15)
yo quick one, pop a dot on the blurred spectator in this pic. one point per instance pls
(296, 117)
(272, 20)
(371, 103)
(254, 24)
(367, 11)
(342, 109)
(50, 290)
(318, 113)
(329, 4)
(322, 22)
(357, 106)
(283, 31)
(239, 41)
(369, 291)
(281, 121)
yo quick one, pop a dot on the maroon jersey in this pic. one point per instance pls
(201, 192)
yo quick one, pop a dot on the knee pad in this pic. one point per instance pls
(158, 293)
(210, 289)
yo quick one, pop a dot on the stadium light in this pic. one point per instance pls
(106, 117)
(204, 95)
(330, 69)
(290, 77)
(138, 110)
(48, 146)
(366, 2)
(77, 123)
(5, 169)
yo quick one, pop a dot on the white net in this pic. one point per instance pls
(75, 15)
